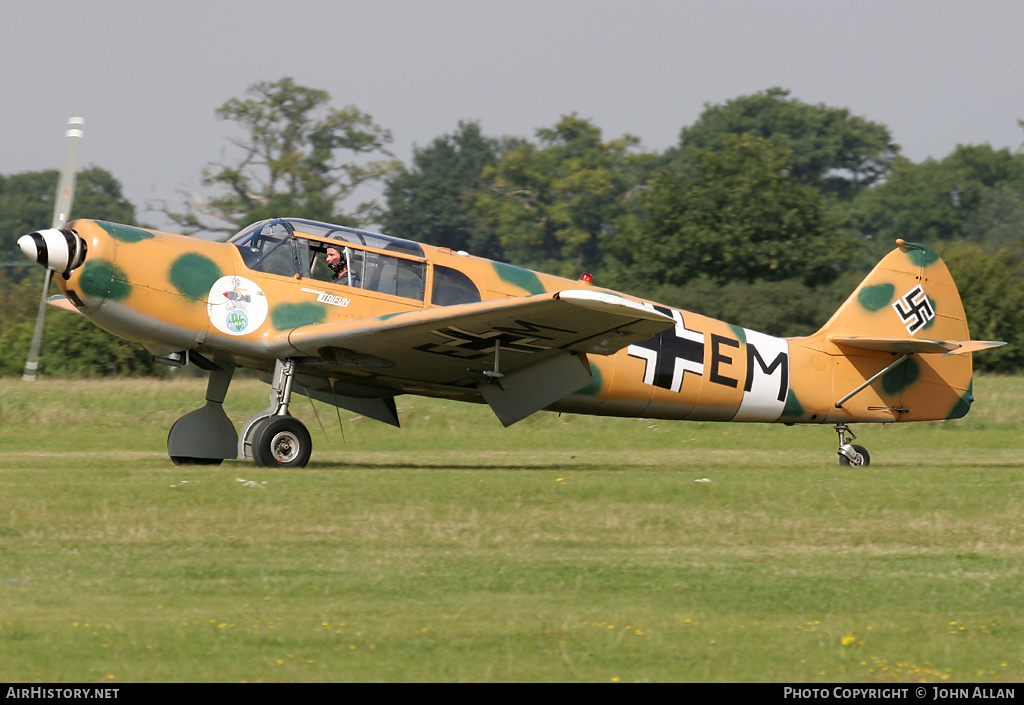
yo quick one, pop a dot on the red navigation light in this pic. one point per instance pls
(587, 278)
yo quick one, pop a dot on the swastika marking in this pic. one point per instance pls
(914, 309)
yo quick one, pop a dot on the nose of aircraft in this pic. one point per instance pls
(60, 250)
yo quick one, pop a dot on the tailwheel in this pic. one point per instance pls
(856, 456)
(281, 441)
(851, 454)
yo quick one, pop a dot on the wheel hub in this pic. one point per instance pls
(285, 446)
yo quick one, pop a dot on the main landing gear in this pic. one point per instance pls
(849, 453)
(272, 437)
(205, 436)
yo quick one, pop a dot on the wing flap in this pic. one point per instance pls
(515, 396)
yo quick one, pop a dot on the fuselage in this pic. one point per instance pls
(238, 302)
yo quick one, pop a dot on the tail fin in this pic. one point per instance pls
(901, 343)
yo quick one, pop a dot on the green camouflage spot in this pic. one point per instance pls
(102, 279)
(963, 404)
(740, 333)
(594, 388)
(125, 233)
(193, 274)
(931, 322)
(793, 409)
(288, 316)
(523, 278)
(877, 297)
(921, 255)
(898, 379)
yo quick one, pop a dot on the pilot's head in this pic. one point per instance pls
(335, 260)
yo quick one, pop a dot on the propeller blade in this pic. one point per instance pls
(61, 211)
(32, 363)
(66, 185)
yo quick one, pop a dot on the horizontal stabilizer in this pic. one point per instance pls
(916, 345)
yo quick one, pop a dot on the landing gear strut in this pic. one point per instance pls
(273, 437)
(849, 453)
(205, 436)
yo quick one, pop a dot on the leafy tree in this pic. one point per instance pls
(998, 221)
(433, 201)
(290, 161)
(72, 345)
(975, 192)
(992, 288)
(736, 212)
(781, 308)
(554, 205)
(838, 152)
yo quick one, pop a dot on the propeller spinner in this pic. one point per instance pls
(57, 250)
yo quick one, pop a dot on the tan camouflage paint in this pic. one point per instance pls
(155, 288)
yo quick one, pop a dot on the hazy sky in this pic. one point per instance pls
(148, 76)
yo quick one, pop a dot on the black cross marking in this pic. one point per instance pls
(472, 346)
(671, 353)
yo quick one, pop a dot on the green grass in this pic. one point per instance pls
(561, 549)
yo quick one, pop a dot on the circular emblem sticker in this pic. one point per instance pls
(236, 305)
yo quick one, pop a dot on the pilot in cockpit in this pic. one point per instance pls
(337, 262)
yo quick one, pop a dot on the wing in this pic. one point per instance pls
(61, 301)
(520, 354)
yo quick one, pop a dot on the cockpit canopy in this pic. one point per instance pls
(297, 247)
(283, 228)
(372, 262)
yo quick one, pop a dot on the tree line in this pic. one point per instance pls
(766, 214)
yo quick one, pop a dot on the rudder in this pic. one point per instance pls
(909, 294)
(899, 345)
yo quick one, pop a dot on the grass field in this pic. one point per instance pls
(561, 549)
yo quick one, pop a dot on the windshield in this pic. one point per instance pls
(265, 247)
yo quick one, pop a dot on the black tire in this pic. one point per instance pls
(281, 442)
(860, 450)
(182, 460)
